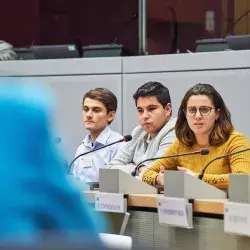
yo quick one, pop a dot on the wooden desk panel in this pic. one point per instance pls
(150, 201)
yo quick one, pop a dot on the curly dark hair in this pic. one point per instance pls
(153, 89)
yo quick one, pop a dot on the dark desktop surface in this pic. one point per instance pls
(55, 51)
(241, 42)
(47, 52)
(105, 50)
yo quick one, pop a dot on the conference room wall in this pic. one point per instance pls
(228, 72)
(70, 80)
(69, 91)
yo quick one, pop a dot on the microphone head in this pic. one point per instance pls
(127, 138)
(204, 151)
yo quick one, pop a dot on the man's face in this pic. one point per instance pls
(95, 116)
(151, 114)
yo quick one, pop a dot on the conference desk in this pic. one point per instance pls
(208, 232)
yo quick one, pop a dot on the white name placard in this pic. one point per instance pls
(175, 211)
(237, 218)
(109, 202)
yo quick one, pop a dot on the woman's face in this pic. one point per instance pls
(201, 115)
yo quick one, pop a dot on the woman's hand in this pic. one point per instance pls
(160, 177)
(187, 171)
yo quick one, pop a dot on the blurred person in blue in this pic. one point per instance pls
(36, 202)
(98, 109)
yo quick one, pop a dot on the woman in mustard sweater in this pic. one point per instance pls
(203, 122)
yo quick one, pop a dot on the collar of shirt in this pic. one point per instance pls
(170, 124)
(101, 140)
(148, 138)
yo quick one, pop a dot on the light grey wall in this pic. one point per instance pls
(228, 71)
(69, 91)
(234, 86)
(56, 67)
(70, 80)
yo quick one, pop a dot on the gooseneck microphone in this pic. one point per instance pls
(203, 151)
(125, 138)
(217, 158)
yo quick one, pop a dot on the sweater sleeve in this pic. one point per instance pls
(239, 163)
(151, 173)
(165, 143)
(124, 157)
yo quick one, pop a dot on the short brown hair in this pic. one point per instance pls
(223, 126)
(104, 96)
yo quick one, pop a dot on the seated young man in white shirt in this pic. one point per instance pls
(99, 108)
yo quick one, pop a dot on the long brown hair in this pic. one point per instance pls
(222, 127)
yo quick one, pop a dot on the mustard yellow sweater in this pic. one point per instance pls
(217, 173)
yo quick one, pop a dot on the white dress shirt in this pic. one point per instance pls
(86, 168)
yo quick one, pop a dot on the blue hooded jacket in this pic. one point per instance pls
(36, 200)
